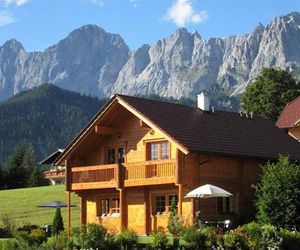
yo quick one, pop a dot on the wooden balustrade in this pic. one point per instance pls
(128, 174)
(99, 176)
(150, 169)
(97, 173)
(150, 172)
(54, 174)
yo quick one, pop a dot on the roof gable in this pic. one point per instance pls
(90, 127)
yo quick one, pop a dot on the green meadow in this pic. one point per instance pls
(21, 205)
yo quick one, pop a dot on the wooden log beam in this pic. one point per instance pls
(69, 212)
(180, 199)
(143, 125)
(82, 210)
(105, 130)
(122, 209)
(68, 177)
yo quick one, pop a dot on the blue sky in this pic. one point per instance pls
(38, 24)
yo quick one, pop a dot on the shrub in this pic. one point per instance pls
(59, 241)
(37, 236)
(58, 224)
(160, 240)
(236, 239)
(196, 238)
(253, 236)
(290, 239)
(14, 244)
(90, 236)
(278, 194)
(27, 228)
(8, 227)
(127, 238)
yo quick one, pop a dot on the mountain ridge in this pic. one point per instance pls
(46, 116)
(92, 61)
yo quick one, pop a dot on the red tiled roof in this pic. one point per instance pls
(224, 133)
(290, 114)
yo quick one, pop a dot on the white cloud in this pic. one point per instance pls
(15, 2)
(182, 12)
(134, 3)
(5, 18)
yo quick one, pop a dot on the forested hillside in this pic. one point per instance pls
(47, 117)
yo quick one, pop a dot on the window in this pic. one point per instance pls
(104, 207)
(158, 151)
(115, 207)
(225, 205)
(154, 151)
(111, 156)
(165, 150)
(163, 203)
(121, 155)
(160, 204)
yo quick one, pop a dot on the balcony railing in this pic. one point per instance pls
(150, 172)
(86, 177)
(126, 174)
(52, 174)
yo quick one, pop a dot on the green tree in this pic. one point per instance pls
(36, 178)
(175, 225)
(20, 166)
(278, 194)
(58, 224)
(271, 90)
(1, 177)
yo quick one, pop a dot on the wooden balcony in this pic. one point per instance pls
(93, 177)
(56, 174)
(150, 173)
(126, 174)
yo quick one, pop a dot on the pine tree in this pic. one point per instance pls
(58, 224)
(20, 166)
(1, 177)
(37, 179)
(174, 224)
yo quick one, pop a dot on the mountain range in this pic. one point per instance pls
(91, 61)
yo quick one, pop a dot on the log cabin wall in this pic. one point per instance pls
(236, 175)
(132, 137)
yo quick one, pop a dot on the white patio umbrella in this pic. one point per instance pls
(208, 191)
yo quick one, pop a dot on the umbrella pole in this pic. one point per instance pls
(69, 211)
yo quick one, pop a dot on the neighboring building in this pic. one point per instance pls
(136, 155)
(57, 174)
(289, 118)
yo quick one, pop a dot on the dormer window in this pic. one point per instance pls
(158, 151)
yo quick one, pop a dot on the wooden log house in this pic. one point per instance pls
(136, 155)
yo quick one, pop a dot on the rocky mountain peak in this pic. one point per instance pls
(13, 45)
(259, 28)
(92, 61)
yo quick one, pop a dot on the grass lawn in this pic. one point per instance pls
(21, 205)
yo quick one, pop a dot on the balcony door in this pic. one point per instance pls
(114, 154)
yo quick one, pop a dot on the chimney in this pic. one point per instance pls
(203, 101)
